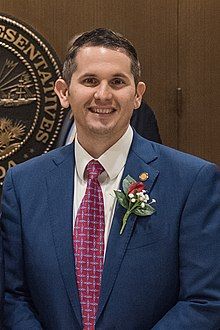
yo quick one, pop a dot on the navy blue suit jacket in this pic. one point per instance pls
(163, 272)
(1, 280)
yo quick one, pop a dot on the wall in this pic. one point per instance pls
(177, 45)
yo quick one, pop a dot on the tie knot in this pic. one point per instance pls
(93, 169)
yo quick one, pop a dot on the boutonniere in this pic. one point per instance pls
(134, 199)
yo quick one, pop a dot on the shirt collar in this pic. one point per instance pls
(113, 160)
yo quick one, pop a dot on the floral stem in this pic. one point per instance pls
(133, 207)
(124, 220)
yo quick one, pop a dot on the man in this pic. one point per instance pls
(71, 262)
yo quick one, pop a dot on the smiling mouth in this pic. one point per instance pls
(101, 110)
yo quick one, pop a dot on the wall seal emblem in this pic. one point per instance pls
(30, 112)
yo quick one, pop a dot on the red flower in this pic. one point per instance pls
(135, 187)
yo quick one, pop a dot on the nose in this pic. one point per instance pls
(103, 92)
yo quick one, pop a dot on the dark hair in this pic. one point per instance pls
(100, 37)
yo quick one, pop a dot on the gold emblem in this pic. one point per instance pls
(30, 112)
(143, 176)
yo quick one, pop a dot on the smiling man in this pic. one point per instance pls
(102, 93)
(77, 257)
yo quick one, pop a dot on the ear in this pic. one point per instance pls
(140, 89)
(61, 89)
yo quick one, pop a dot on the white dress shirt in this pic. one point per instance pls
(113, 161)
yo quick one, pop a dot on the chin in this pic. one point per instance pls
(101, 130)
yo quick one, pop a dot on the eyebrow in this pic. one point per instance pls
(88, 74)
(122, 75)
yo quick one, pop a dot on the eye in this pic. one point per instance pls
(90, 81)
(117, 82)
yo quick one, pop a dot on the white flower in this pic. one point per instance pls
(142, 205)
(131, 195)
(141, 198)
(133, 200)
(146, 197)
(153, 200)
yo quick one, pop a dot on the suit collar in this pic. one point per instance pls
(143, 148)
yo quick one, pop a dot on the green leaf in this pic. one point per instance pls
(127, 182)
(148, 210)
(122, 199)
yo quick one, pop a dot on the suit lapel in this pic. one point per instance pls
(60, 191)
(140, 155)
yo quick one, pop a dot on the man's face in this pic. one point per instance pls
(102, 93)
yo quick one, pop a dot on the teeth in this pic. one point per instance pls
(96, 110)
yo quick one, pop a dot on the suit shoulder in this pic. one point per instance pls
(178, 156)
(183, 167)
(42, 163)
(170, 159)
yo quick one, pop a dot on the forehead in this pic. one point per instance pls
(100, 58)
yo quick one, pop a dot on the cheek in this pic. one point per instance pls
(129, 103)
(77, 97)
(128, 96)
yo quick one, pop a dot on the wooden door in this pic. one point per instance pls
(199, 118)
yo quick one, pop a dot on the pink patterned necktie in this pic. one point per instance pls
(88, 242)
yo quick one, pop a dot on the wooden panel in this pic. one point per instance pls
(150, 24)
(199, 123)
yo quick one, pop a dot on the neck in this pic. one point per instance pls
(98, 145)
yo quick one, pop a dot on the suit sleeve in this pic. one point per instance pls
(198, 306)
(19, 312)
(1, 279)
